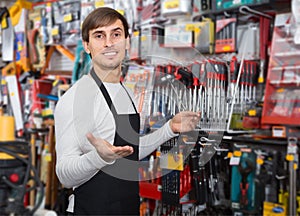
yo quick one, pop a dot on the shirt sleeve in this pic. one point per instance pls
(152, 141)
(73, 166)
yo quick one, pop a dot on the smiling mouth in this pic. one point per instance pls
(110, 53)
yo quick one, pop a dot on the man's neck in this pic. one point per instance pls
(112, 76)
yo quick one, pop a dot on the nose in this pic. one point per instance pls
(108, 42)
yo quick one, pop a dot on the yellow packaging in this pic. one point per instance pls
(273, 209)
(7, 128)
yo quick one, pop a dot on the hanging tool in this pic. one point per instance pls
(214, 197)
(210, 74)
(195, 68)
(7, 35)
(44, 23)
(245, 171)
(194, 163)
(226, 34)
(186, 77)
(243, 86)
(223, 100)
(10, 18)
(195, 94)
(292, 157)
(264, 34)
(32, 35)
(253, 80)
(202, 92)
(233, 74)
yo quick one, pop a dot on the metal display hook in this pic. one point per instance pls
(246, 10)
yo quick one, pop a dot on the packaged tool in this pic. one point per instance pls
(66, 29)
(270, 209)
(173, 8)
(204, 36)
(231, 4)
(242, 181)
(226, 34)
(37, 54)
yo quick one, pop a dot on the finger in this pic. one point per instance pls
(190, 114)
(120, 150)
(124, 152)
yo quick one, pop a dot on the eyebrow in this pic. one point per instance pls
(113, 30)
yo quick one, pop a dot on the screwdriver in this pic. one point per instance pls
(195, 68)
(254, 79)
(233, 74)
(202, 83)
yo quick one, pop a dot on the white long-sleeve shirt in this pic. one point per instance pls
(83, 109)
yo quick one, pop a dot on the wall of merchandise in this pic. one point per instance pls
(236, 62)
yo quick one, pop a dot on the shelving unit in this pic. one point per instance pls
(282, 93)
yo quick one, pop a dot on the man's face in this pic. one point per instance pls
(107, 45)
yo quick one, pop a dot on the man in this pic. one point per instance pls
(97, 142)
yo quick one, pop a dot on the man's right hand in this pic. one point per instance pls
(107, 151)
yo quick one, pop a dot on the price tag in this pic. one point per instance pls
(234, 161)
(55, 31)
(261, 79)
(20, 47)
(48, 157)
(171, 4)
(37, 19)
(197, 29)
(289, 157)
(278, 131)
(226, 48)
(237, 153)
(260, 161)
(252, 112)
(99, 3)
(189, 27)
(68, 17)
(4, 24)
(144, 38)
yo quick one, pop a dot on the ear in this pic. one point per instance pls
(127, 43)
(86, 47)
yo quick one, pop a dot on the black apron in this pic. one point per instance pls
(114, 190)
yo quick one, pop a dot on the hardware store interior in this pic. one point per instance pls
(235, 63)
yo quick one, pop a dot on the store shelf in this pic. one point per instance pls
(281, 106)
(288, 67)
(283, 83)
(280, 120)
(288, 53)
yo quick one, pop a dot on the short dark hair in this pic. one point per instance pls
(100, 17)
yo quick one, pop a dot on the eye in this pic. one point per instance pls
(100, 36)
(117, 35)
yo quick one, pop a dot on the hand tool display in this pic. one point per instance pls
(209, 87)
